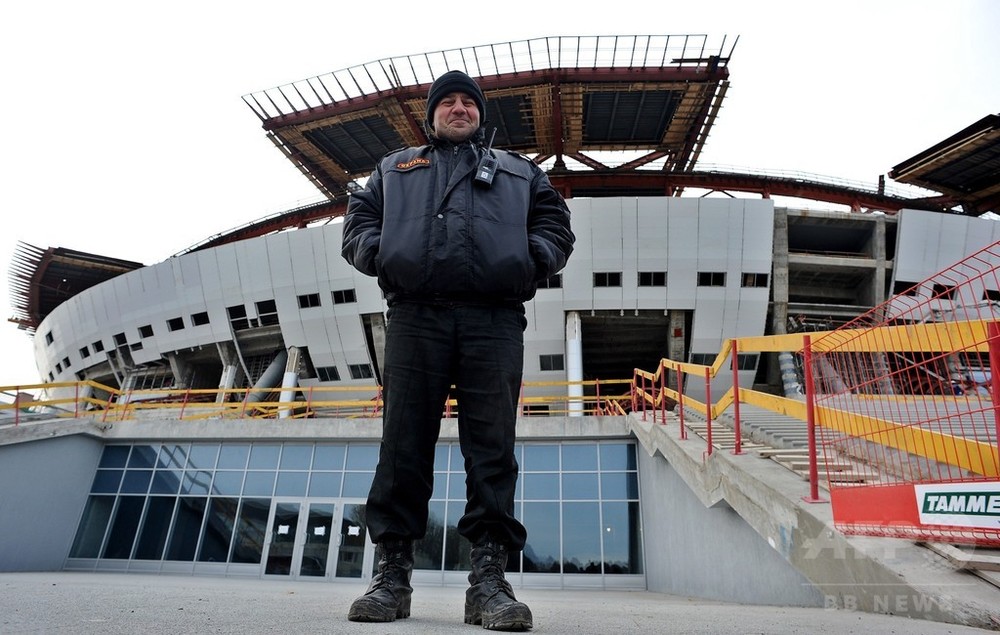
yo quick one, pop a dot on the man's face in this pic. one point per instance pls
(456, 117)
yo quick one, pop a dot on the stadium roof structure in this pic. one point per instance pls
(965, 167)
(557, 97)
(608, 115)
(42, 279)
(603, 115)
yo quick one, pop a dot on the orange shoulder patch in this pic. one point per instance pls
(413, 163)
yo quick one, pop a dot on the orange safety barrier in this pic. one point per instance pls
(898, 405)
(904, 394)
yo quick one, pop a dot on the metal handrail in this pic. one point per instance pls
(76, 399)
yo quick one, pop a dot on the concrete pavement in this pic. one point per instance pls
(111, 603)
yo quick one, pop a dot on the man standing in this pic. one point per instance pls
(459, 236)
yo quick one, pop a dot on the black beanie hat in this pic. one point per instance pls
(450, 82)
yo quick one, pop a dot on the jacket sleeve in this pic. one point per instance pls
(549, 235)
(363, 226)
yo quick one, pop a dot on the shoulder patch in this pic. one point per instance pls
(416, 162)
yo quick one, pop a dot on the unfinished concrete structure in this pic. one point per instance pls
(619, 124)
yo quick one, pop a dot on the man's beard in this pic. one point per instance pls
(456, 136)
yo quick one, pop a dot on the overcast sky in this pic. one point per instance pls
(125, 133)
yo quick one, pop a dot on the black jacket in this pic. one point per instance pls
(431, 234)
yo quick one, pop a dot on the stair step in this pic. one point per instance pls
(982, 559)
(776, 452)
(822, 465)
(836, 477)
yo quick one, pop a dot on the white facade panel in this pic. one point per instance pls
(758, 232)
(343, 333)
(606, 222)
(652, 247)
(332, 355)
(279, 260)
(230, 274)
(355, 349)
(683, 254)
(369, 295)
(629, 252)
(713, 233)
(305, 264)
(578, 276)
(626, 236)
(929, 242)
(87, 329)
(330, 264)
(652, 253)
(119, 303)
(314, 336)
(203, 271)
(255, 275)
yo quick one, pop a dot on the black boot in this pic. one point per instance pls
(388, 596)
(490, 600)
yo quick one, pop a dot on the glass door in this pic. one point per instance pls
(282, 538)
(316, 542)
(356, 551)
(301, 543)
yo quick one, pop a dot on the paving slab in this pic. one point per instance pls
(112, 603)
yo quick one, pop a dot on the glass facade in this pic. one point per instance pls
(276, 505)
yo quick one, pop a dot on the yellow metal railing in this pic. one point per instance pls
(645, 391)
(92, 399)
(653, 394)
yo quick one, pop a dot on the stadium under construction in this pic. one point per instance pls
(673, 259)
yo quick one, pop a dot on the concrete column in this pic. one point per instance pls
(789, 376)
(878, 295)
(179, 369)
(574, 362)
(779, 291)
(118, 372)
(226, 381)
(675, 342)
(375, 322)
(289, 380)
(230, 370)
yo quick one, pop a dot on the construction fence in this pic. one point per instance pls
(898, 403)
(906, 393)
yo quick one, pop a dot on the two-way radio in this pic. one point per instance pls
(488, 165)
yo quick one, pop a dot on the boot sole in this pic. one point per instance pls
(362, 611)
(513, 620)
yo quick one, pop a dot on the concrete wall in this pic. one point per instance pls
(626, 235)
(710, 552)
(45, 489)
(930, 242)
(683, 237)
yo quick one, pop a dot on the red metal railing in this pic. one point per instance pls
(902, 425)
(905, 393)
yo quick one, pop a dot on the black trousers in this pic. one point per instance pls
(428, 348)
